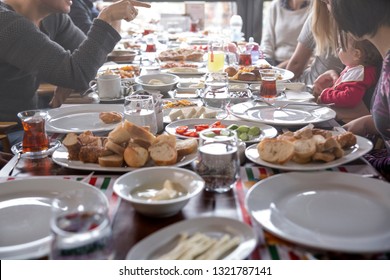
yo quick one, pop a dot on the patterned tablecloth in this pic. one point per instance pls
(269, 247)
(273, 248)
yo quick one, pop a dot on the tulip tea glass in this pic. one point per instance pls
(140, 110)
(35, 139)
(218, 161)
(80, 227)
(216, 93)
(268, 83)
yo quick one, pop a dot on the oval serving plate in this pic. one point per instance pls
(162, 241)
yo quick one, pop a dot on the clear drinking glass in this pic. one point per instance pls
(80, 226)
(216, 56)
(216, 92)
(140, 110)
(217, 161)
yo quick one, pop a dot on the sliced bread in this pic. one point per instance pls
(275, 150)
(111, 161)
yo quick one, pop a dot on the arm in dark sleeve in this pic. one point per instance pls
(29, 49)
(81, 15)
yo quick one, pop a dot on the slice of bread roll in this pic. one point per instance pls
(275, 150)
(135, 155)
(114, 147)
(186, 146)
(111, 161)
(73, 146)
(119, 134)
(139, 134)
(163, 150)
(304, 148)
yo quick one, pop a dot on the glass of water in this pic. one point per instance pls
(80, 226)
(139, 109)
(216, 92)
(217, 161)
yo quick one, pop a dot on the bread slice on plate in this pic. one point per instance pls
(111, 161)
(275, 150)
(163, 150)
(135, 155)
(186, 146)
(139, 134)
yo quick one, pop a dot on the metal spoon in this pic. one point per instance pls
(16, 163)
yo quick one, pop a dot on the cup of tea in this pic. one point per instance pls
(108, 86)
(268, 83)
(35, 138)
(245, 59)
(218, 160)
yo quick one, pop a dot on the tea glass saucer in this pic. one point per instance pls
(18, 149)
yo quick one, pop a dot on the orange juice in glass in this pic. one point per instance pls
(216, 57)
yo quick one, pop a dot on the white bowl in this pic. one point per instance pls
(188, 179)
(168, 81)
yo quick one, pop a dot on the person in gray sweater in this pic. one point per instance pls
(39, 43)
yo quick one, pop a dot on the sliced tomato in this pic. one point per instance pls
(200, 127)
(191, 133)
(217, 124)
(181, 129)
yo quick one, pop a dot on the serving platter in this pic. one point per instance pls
(160, 242)
(334, 211)
(79, 118)
(267, 131)
(25, 211)
(362, 147)
(60, 156)
(295, 114)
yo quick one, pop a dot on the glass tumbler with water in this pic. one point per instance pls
(216, 93)
(139, 109)
(217, 161)
(80, 226)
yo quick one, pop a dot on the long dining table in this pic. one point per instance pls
(129, 227)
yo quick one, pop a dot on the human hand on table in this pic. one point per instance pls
(59, 97)
(362, 126)
(325, 80)
(4, 158)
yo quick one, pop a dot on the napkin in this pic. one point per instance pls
(302, 95)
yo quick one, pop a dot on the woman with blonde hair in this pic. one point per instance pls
(315, 52)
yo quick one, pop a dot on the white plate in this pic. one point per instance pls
(165, 239)
(60, 156)
(79, 118)
(326, 210)
(25, 210)
(267, 131)
(362, 147)
(296, 114)
(186, 71)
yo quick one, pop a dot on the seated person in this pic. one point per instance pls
(315, 53)
(362, 61)
(82, 13)
(57, 51)
(282, 28)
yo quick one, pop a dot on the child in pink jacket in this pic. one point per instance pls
(361, 59)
